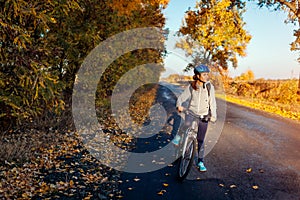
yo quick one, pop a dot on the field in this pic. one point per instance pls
(281, 97)
(275, 96)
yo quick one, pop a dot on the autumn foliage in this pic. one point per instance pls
(214, 33)
(43, 44)
(276, 96)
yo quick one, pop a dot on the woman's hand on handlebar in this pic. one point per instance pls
(180, 108)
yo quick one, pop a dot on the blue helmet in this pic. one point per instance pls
(200, 69)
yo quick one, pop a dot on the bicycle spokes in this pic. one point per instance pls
(187, 158)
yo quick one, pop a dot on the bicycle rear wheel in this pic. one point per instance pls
(187, 159)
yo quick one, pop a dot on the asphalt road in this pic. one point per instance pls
(257, 156)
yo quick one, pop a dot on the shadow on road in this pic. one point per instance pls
(163, 183)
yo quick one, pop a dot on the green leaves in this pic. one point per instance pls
(30, 82)
(43, 44)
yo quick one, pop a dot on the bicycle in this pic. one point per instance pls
(188, 146)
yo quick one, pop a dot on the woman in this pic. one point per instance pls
(202, 106)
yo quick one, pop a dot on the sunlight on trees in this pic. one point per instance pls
(43, 44)
(214, 33)
(125, 7)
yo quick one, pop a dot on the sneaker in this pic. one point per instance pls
(201, 166)
(176, 140)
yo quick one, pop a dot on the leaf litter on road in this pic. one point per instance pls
(62, 169)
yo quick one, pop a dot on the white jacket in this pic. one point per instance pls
(200, 101)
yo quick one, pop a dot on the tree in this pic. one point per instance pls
(173, 78)
(247, 76)
(214, 33)
(43, 44)
(29, 78)
(125, 7)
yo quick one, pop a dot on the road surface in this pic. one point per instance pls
(257, 156)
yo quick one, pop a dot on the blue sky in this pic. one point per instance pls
(268, 53)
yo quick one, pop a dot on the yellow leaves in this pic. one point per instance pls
(20, 42)
(36, 92)
(124, 7)
(249, 170)
(233, 186)
(4, 25)
(263, 95)
(88, 197)
(53, 20)
(164, 3)
(217, 29)
(26, 195)
(16, 40)
(161, 192)
(50, 172)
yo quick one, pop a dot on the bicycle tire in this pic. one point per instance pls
(186, 161)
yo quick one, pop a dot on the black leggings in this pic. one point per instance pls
(202, 129)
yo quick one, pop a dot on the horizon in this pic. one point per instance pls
(266, 79)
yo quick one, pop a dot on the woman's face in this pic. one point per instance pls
(203, 77)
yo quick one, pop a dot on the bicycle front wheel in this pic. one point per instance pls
(187, 158)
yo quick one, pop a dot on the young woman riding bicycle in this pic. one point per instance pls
(202, 105)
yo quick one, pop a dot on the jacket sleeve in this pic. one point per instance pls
(213, 104)
(185, 95)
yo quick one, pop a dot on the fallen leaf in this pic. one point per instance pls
(255, 187)
(249, 170)
(233, 186)
(104, 180)
(161, 192)
(136, 179)
(221, 185)
(166, 184)
(71, 183)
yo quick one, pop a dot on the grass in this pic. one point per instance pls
(22, 146)
(287, 111)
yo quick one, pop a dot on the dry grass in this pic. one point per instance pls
(19, 147)
(284, 110)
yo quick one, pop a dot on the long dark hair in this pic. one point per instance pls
(194, 82)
